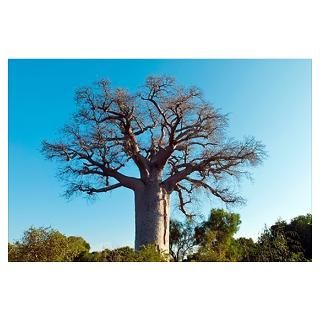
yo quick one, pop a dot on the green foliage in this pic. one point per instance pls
(91, 257)
(49, 245)
(214, 240)
(13, 252)
(302, 227)
(214, 237)
(125, 254)
(149, 253)
(246, 249)
(182, 239)
(273, 246)
(286, 242)
(46, 244)
(77, 246)
(210, 240)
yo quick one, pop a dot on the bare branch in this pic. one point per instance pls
(223, 194)
(182, 201)
(90, 191)
(216, 163)
(170, 133)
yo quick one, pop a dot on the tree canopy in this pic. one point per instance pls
(214, 239)
(182, 239)
(287, 241)
(215, 236)
(162, 127)
(47, 244)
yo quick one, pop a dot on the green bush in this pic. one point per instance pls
(46, 244)
(125, 254)
(211, 240)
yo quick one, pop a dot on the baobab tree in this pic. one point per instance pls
(176, 140)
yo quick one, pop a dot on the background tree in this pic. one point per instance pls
(46, 244)
(301, 227)
(286, 241)
(76, 247)
(273, 245)
(209, 240)
(149, 254)
(13, 252)
(182, 239)
(124, 254)
(246, 249)
(215, 237)
(172, 135)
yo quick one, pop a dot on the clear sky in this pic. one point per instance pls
(267, 99)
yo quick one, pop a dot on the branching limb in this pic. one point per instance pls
(64, 152)
(91, 190)
(170, 133)
(223, 194)
(182, 201)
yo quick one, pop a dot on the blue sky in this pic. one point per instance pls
(268, 99)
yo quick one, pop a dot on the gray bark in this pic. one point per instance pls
(152, 216)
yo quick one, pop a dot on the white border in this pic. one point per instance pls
(166, 29)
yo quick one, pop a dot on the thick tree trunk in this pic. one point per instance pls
(152, 216)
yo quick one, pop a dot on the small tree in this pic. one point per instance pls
(182, 239)
(301, 227)
(76, 247)
(215, 237)
(172, 136)
(46, 245)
